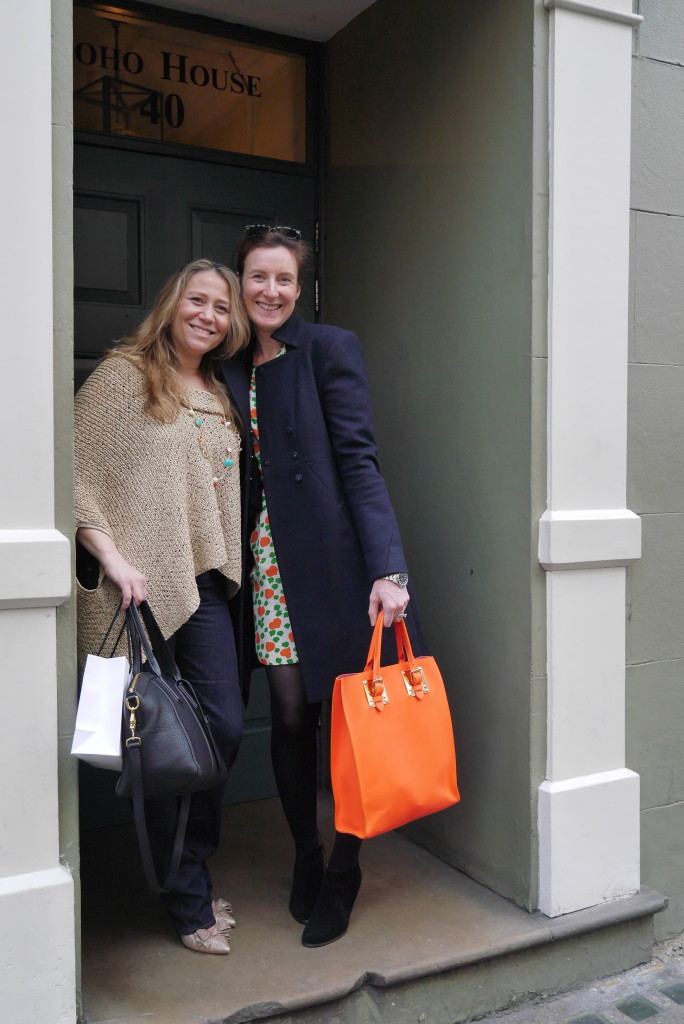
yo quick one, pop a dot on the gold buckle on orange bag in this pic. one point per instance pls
(415, 682)
(376, 695)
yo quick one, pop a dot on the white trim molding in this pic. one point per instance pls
(36, 951)
(580, 818)
(35, 568)
(37, 924)
(588, 812)
(595, 11)
(589, 538)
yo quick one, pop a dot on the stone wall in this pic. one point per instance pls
(655, 639)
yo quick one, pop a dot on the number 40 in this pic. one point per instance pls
(172, 109)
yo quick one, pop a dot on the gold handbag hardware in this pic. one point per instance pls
(415, 682)
(132, 705)
(376, 695)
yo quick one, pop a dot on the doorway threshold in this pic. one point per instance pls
(425, 943)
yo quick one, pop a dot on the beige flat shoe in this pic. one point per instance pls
(223, 912)
(208, 940)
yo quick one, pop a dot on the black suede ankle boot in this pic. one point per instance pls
(306, 884)
(329, 919)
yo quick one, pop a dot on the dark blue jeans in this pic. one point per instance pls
(205, 654)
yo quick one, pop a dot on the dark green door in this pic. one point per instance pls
(140, 216)
(137, 218)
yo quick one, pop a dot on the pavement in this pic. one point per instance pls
(652, 992)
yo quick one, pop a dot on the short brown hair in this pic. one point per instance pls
(273, 237)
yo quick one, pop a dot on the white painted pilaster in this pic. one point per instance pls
(589, 802)
(37, 935)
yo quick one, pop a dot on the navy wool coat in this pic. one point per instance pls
(334, 529)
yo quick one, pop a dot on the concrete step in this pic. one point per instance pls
(425, 944)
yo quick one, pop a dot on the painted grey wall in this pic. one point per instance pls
(429, 259)
(655, 687)
(63, 356)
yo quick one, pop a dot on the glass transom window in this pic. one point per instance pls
(149, 80)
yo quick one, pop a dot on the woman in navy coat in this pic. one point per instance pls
(326, 555)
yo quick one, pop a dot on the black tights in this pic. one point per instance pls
(295, 764)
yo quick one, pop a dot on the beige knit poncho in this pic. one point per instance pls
(148, 486)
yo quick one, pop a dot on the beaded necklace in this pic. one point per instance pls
(233, 443)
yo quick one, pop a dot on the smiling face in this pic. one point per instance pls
(270, 287)
(202, 319)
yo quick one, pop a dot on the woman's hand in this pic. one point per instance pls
(131, 583)
(389, 597)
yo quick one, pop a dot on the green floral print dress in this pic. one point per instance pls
(272, 630)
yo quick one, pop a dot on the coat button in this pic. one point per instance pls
(267, 462)
(289, 430)
(298, 478)
(259, 370)
(295, 455)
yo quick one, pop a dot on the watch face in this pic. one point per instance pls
(400, 578)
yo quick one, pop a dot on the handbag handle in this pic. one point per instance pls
(414, 679)
(373, 660)
(156, 649)
(404, 650)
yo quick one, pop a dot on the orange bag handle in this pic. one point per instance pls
(374, 686)
(413, 675)
(373, 660)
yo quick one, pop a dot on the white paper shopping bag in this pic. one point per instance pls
(97, 735)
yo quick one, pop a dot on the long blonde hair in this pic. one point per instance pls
(150, 346)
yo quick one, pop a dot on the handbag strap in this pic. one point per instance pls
(156, 649)
(139, 642)
(404, 649)
(141, 827)
(159, 644)
(414, 676)
(374, 651)
(373, 685)
(149, 637)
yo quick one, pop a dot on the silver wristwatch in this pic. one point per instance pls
(400, 578)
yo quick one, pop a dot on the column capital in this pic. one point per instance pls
(595, 11)
(589, 538)
(35, 568)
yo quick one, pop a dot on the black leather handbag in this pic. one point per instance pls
(167, 745)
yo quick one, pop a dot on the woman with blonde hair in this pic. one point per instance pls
(157, 466)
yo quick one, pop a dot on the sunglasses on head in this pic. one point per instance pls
(259, 230)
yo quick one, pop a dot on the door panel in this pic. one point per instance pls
(138, 218)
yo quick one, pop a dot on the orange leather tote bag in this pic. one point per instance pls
(392, 747)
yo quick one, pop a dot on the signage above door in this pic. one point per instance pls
(141, 78)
